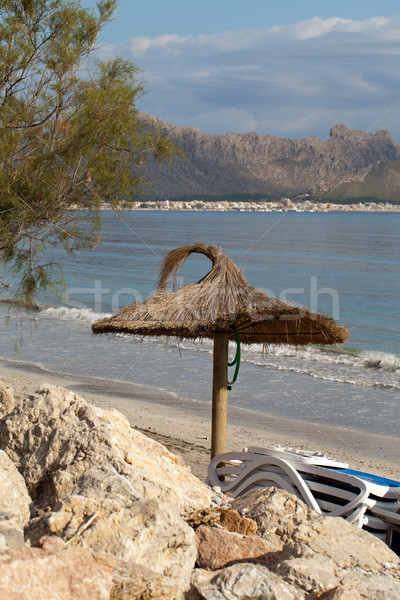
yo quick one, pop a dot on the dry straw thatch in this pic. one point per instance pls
(220, 302)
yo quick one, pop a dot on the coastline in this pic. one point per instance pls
(184, 426)
(280, 206)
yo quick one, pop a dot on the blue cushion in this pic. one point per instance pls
(371, 478)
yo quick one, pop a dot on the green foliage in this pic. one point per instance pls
(70, 135)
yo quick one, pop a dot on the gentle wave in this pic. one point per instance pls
(340, 356)
(379, 360)
(346, 365)
(365, 368)
(86, 315)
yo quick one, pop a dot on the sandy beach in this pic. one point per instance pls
(185, 428)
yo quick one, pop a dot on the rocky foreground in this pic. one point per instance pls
(90, 508)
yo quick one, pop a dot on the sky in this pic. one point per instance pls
(288, 68)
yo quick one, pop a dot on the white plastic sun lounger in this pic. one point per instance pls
(391, 520)
(383, 506)
(326, 485)
(384, 496)
(381, 487)
(307, 457)
(384, 492)
(239, 473)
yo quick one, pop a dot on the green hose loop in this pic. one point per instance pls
(236, 360)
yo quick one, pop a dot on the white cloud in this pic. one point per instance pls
(292, 80)
(140, 45)
(317, 27)
(306, 30)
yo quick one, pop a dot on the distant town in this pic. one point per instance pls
(282, 205)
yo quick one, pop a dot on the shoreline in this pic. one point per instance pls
(183, 426)
(249, 206)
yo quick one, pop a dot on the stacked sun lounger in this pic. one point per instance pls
(327, 486)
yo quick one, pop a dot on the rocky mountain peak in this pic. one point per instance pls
(253, 164)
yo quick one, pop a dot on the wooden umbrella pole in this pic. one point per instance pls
(219, 394)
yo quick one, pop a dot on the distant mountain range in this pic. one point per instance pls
(349, 165)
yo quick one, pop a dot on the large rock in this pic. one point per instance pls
(147, 533)
(283, 518)
(14, 497)
(54, 572)
(243, 582)
(217, 548)
(136, 582)
(62, 445)
(319, 575)
(15, 504)
(312, 573)
(358, 586)
(11, 532)
(98, 483)
(7, 401)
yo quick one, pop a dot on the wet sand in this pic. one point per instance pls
(183, 426)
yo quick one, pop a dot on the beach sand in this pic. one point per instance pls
(184, 426)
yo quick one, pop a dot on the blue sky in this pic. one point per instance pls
(291, 68)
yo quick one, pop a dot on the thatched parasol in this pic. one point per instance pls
(221, 306)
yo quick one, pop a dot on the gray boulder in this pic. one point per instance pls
(312, 573)
(99, 484)
(243, 582)
(283, 518)
(7, 401)
(364, 586)
(15, 504)
(11, 532)
(147, 533)
(14, 497)
(62, 446)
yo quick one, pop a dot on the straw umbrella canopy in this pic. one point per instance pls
(221, 306)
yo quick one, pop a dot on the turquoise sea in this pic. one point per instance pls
(344, 264)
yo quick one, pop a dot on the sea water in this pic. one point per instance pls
(346, 265)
